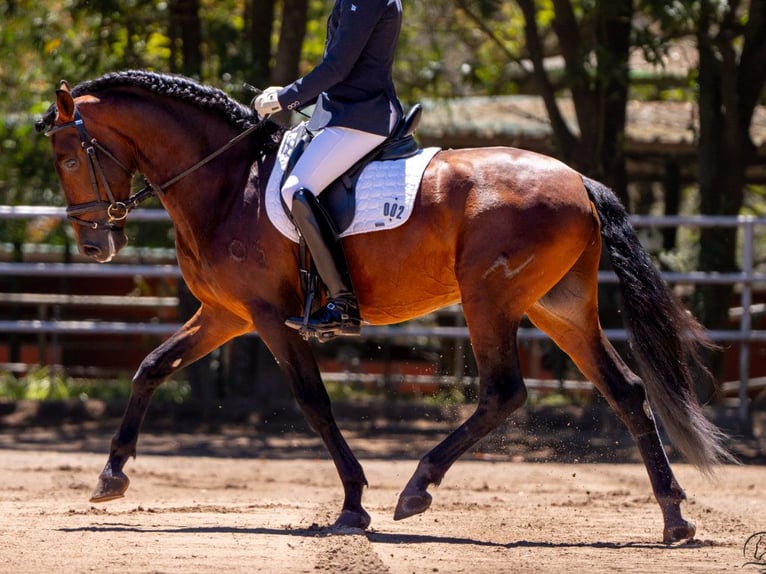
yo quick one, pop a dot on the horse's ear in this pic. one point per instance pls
(64, 103)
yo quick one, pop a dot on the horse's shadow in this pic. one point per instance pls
(378, 537)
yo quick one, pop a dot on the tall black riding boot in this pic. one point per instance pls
(340, 316)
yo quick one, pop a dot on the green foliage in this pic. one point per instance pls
(46, 384)
(556, 399)
(449, 396)
(42, 43)
(38, 385)
(448, 48)
(452, 48)
(26, 177)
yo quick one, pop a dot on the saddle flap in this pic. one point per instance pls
(389, 189)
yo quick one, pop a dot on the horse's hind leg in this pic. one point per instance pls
(501, 392)
(195, 339)
(568, 314)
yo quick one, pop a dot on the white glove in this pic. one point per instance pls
(266, 102)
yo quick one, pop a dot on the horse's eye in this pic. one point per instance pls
(70, 163)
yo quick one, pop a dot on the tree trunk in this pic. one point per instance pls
(259, 18)
(251, 373)
(185, 32)
(614, 37)
(292, 33)
(200, 373)
(721, 173)
(564, 141)
(599, 99)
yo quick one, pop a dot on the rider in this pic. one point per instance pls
(356, 110)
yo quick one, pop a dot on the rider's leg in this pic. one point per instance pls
(340, 316)
(330, 153)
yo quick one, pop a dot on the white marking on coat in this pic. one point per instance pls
(502, 262)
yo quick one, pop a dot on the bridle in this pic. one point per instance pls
(117, 211)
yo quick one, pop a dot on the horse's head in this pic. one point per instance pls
(96, 182)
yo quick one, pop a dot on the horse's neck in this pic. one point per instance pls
(172, 157)
(209, 197)
(225, 204)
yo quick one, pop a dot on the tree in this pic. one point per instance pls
(260, 21)
(731, 42)
(732, 48)
(290, 45)
(447, 48)
(185, 33)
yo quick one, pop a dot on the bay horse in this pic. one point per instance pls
(505, 232)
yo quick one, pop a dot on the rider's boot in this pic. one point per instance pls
(340, 315)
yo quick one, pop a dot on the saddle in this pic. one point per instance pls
(339, 198)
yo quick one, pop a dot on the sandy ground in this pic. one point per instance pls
(215, 514)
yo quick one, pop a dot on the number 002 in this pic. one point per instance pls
(393, 210)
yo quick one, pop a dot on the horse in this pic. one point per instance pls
(507, 233)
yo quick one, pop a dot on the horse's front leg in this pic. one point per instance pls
(200, 335)
(297, 362)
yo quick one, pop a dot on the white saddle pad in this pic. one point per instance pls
(385, 195)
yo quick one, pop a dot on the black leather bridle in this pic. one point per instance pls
(117, 211)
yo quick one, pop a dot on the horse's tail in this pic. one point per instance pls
(665, 339)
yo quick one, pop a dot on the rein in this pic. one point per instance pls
(119, 210)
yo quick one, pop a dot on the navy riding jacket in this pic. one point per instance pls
(353, 85)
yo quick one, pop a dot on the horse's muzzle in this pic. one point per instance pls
(103, 246)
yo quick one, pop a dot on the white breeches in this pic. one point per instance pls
(332, 151)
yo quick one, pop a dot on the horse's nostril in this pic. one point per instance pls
(90, 250)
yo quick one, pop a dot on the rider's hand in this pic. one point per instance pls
(266, 102)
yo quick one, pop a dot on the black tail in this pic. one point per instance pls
(665, 339)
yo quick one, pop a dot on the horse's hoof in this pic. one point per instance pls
(110, 486)
(412, 504)
(682, 531)
(353, 519)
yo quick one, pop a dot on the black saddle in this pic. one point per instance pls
(339, 199)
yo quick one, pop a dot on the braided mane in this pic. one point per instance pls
(181, 88)
(173, 86)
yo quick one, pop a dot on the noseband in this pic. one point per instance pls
(118, 210)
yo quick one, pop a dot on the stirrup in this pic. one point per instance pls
(332, 320)
(324, 335)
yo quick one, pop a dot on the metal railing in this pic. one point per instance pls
(747, 279)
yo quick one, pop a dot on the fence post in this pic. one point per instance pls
(746, 323)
